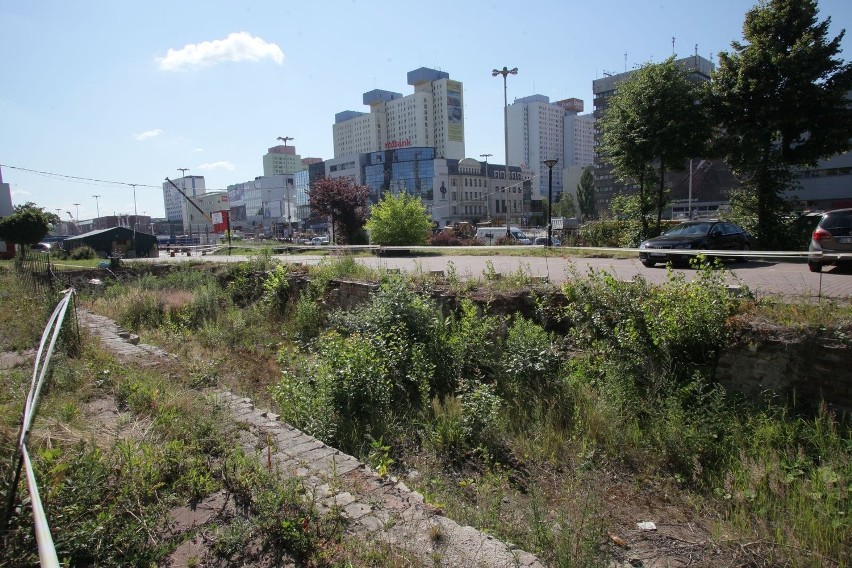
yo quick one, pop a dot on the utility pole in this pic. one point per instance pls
(487, 193)
(135, 218)
(97, 207)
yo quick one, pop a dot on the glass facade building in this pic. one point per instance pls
(404, 170)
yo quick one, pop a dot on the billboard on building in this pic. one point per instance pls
(455, 117)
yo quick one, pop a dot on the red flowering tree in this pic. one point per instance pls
(342, 200)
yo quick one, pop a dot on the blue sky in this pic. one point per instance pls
(129, 91)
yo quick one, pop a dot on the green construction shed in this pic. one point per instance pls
(117, 241)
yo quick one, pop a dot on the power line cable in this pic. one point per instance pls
(78, 178)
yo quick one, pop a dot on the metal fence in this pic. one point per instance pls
(35, 269)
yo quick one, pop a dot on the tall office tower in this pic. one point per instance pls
(192, 186)
(433, 116)
(607, 186)
(282, 159)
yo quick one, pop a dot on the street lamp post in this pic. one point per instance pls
(550, 163)
(487, 195)
(289, 218)
(183, 197)
(97, 207)
(77, 205)
(505, 71)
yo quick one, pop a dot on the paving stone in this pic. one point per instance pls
(356, 510)
(371, 523)
(341, 499)
(311, 444)
(318, 456)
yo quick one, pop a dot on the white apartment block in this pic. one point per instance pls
(433, 116)
(536, 134)
(579, 140)
(280, 160)
(192, 186)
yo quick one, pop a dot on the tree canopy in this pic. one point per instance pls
(779, 100)
(399, 220)
(28, 225)
(344, 201)
(565, 206)
(653, 121)
(586, 195)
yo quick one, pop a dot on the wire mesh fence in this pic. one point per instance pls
(34, 268)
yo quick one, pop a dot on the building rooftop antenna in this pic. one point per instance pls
(673, 45)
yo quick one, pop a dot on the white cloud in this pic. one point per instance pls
(223, 165)
(148, 134)
(239, 46)
(15, 192)
(199, 149)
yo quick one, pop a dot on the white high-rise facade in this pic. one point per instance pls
(192, 186)
(579, 140)
(433, 116)
(540, 130)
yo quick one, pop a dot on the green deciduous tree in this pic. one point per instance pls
(586, 195)
(565, 206)
(342, 200)
(399, 220)
(653, 120)
(779, 98)
(27, 225)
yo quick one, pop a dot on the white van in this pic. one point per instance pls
(490, 235)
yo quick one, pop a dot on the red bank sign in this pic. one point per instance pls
(391, 144)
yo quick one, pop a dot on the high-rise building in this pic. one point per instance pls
(433, 116)
(282, 159)
(174, 203)
(536, 133)
(540, 130)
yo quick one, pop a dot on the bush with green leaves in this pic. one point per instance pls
(371, 384)
(652, 329)
(306, 319)
(276, 289)
(468, 347)
(530, 363)
(244, 284)
(399, 220)
(82, 252)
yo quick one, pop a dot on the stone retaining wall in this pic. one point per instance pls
(803, 371)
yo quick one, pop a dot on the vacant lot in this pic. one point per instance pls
(558, 432)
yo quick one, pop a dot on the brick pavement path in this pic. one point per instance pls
(383, 509)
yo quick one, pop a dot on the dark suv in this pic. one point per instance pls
(831, 242)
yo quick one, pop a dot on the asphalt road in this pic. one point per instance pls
(788, 280)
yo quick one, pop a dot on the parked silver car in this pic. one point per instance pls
(831, 241)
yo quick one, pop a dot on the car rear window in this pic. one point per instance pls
(837, 221)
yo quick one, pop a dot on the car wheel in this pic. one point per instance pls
(647, 262)
(814, 266)
(746, 248)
